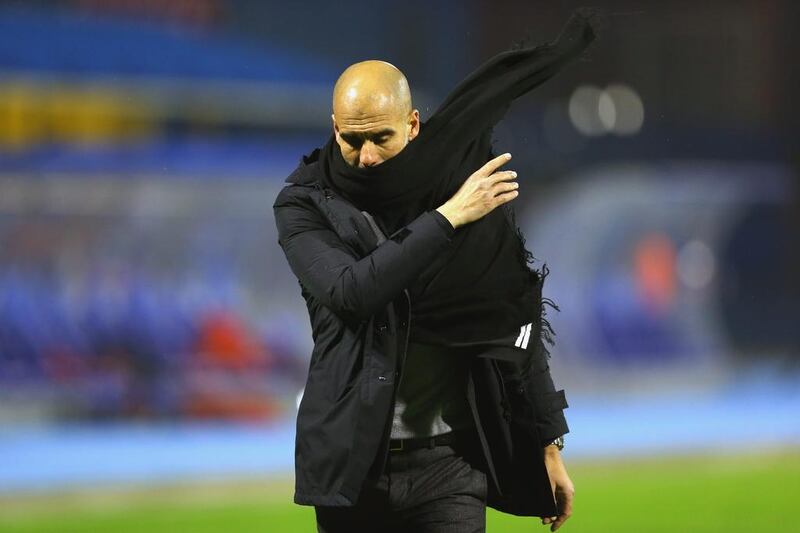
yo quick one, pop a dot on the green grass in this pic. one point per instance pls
(753, 492)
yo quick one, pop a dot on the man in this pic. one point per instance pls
(412, 422)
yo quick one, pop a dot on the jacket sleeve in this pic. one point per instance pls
(534, 397)
(355, 287)
(548, 402)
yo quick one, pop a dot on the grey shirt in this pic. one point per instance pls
(432, 394)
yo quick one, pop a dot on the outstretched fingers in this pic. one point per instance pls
(493, 164)
(503, 188)
(504, 175)
(505, 197)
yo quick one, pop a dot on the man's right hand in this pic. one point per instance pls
(481, 193)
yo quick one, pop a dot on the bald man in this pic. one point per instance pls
(373, 118)
(380, 449)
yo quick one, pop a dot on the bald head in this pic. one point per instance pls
(373, 118)
(371, 86)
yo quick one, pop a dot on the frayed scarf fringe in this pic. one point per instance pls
(546, 331)
(527, 258)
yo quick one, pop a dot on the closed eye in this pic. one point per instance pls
(353, 140)
(380, 137)
(357, 139)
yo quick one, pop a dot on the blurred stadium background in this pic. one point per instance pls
(153, 340)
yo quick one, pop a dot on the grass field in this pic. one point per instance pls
(758, 491)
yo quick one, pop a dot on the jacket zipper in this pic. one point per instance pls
(405, 342)
(398, 372)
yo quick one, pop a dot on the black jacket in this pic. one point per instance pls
(359, 308)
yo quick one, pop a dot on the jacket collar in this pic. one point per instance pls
(307, 172)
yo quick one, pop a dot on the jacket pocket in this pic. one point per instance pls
(345, 366)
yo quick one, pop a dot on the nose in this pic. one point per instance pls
(368, 157)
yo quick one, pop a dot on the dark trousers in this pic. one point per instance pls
(429, 490)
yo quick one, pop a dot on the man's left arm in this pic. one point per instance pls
(549, 405)
(561, 484)
(534, 385)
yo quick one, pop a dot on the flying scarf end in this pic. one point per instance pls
(595, 18)
(582, 28)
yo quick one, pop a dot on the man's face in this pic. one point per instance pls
(368, 135)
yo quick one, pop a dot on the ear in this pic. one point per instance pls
(335, 126)
(413, 122)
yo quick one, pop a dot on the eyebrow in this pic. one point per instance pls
(347, 135)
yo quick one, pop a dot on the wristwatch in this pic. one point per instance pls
(559, 442)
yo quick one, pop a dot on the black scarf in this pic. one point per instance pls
(482, 292)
